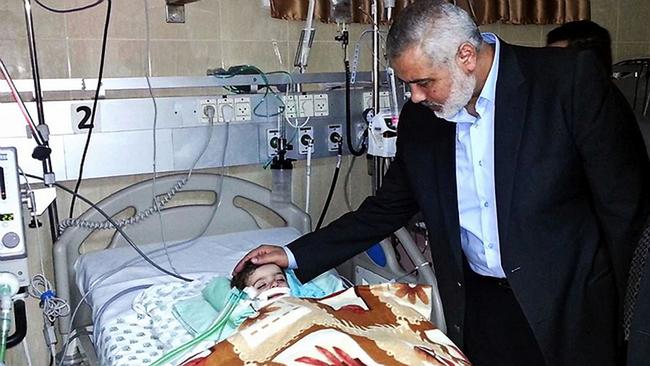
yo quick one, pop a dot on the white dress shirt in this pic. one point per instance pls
(479, 235)
(291, 258)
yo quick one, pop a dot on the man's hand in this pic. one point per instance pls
(262, 255)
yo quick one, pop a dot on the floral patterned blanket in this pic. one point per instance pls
(383, 324)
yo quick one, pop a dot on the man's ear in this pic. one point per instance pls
(466, 57)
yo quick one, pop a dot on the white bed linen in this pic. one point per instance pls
(206, 256)
(140, 336)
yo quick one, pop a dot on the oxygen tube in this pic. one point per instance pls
(5, 320)
(8, 288)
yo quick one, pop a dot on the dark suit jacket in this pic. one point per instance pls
(570, 170)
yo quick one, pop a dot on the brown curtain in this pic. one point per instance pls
(484, 11)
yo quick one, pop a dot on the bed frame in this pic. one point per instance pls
(425, 271)
(243, 206)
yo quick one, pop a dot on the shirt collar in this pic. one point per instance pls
(488, 94)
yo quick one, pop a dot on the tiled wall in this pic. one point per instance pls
(216, 33)
(229, 32)
(222, 33)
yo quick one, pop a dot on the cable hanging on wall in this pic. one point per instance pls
(72, 10)
(94, 110)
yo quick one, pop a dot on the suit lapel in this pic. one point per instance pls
(509, 120)
(445, 157)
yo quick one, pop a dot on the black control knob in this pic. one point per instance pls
(274, 142)
(305, 139)
(335, 137)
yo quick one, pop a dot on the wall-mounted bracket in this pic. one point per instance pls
(175, 10)
(175, 13)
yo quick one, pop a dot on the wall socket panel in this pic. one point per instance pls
(321, 105)
(243, 109)
(384, 100)
(306, 105)
(332, 130)
(272, 140)
(305, 134)
(226, 109)
(126, 122)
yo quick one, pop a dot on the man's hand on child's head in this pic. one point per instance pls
(262, 255)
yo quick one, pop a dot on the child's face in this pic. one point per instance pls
(267, 276)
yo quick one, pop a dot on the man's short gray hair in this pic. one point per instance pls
(436, 26)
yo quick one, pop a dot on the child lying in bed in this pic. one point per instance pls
(382, 324)
(222, 307)
(198, 312)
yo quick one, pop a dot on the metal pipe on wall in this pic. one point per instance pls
(377, 161)
(375, 53)
(38, 96)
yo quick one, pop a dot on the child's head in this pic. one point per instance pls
(260, 277)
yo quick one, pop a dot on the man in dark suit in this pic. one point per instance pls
(587, 35)
(584, 35)
(531, 182)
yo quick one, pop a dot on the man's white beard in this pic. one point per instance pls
(462, 88)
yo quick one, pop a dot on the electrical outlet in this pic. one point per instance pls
(334, 137)
(321, 105)
(384, 100)
(367, 100)
(272, 141)
(305, 105)
(203, 105)
(290, 106)
(243, 109)
(306, 136)
(226, 109)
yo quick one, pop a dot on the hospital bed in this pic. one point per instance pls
(196, 235)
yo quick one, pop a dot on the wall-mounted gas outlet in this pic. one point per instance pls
(290, 106)
(204, 107)
(305, 105)
(321, 105)
(272, 142)
(306, 136)
(243, 109)
(226, 109)
(334, 137)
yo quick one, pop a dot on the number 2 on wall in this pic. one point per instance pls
(85, 123)
(81, 117)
